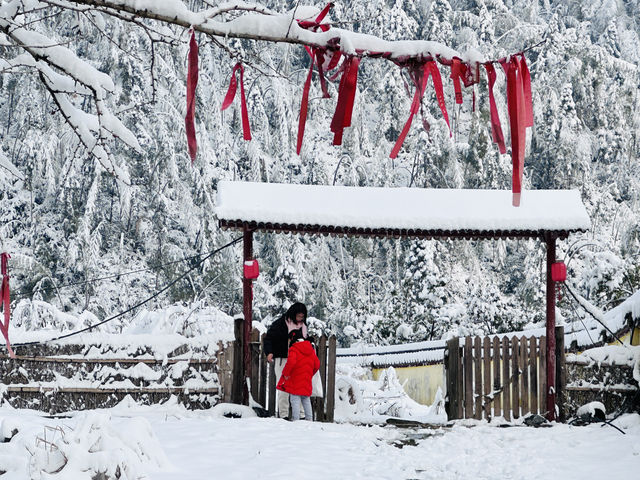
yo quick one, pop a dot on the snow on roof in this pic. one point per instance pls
(399, 208)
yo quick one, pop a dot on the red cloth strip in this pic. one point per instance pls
(437, 85)
(513, 97)
(496, 127)
(456, 73)
(420, 76)
(526, 83)
(192, 82)
(231, 93)
(5, 298)
(346, 97)
(304, 105)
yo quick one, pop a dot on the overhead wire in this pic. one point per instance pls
(26, 292)
(139, 304)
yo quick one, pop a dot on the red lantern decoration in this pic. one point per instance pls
(558, 272)
(251, 269)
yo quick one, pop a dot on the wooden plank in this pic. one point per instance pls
(601, 389)
(454, 387)
(322, 350)
(468, 378)
(271, 391)
(262, 397)
(524, 362)
(561, 374)
(477, 370)
(110, 361)
(110, 391)
(515, 378)
(451, 377)
(497, 386)
(255, 370)
(533, 366)
(331, 379)
(460, 383)
(542, 374)
(486, 382)
(506, 381)
(238, 370)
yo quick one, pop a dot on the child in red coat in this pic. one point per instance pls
(302, 364)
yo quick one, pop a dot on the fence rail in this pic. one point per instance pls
(492, 377)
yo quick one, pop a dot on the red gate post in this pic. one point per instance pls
(5, 300)
(551, 329)
(247, 301)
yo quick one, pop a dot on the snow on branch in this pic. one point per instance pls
(261, 24)
(66, 76)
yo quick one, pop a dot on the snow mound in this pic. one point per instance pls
(97, 447)
(374, 401)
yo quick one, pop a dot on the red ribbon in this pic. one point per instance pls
(456, 72)
(304, 105)
(419, 74)
(231, 93)
(192, 82)
(6, 301)
(319, 57)
(517, 122)
(346, 98)
(496, 127)
(526, 83)
(437, 85)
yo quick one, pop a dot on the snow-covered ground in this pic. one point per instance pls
(168, 442)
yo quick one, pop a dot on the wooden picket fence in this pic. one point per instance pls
(263, 378)
(492, 377)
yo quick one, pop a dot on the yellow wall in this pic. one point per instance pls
(421, 382)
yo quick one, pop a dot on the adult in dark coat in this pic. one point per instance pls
(276, 345)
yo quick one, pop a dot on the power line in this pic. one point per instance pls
(139, 304)
(26, 292)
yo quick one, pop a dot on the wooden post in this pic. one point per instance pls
(551, 332)
(330, 393)
(486, 383)
(525, 367)
(453, 378)
(247, 300)
(533, 362)
(263, 375)
(238, 373)
(322, 355)
(468, 378)
(272, 390)
(542, 372)
(477, 380)
(506, 381)
(515, 378)
(497, 406)
(561, 373)
(255, 364)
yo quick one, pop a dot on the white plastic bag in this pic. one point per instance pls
(316, 385)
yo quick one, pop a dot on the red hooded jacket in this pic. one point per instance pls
(302, 364)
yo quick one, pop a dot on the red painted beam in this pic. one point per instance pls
(551, 329)
(247, 308)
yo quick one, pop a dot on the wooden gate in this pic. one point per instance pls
(263, 379)
(491, 377)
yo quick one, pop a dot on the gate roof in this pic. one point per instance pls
(398, 212)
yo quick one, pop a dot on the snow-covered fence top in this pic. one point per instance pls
(288, 207)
